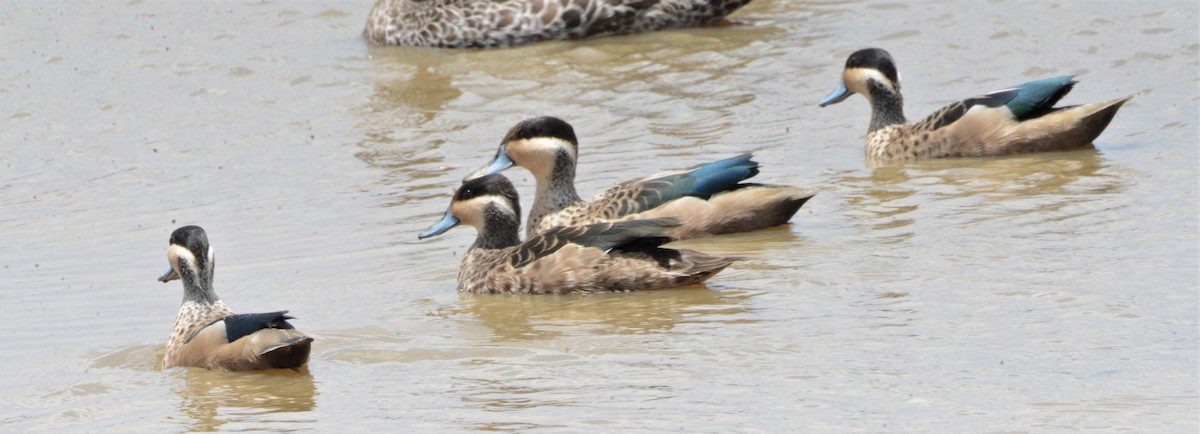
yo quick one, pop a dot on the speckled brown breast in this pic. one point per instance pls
(192, 318)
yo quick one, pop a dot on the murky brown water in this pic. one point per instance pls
(1043, 293)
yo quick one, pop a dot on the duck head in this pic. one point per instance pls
(489, 203)
(545, 146)
(868, 72)
(191, 260)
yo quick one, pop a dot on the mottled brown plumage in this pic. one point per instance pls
(603, 257)
(207, 333)
(495, 23)
(1020, 119)
(708, 199)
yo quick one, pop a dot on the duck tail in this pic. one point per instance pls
(696, 267)
(752, 207)
(1094, 123)
(1064, 128)
(290, 354)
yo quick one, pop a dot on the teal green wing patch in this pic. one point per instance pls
(701, 181)
(1025, 101)
(1037, 98)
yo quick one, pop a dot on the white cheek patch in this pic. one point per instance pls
(856, 79)
(549, 145)
(537, 154)
(471, 211)
(176, 252)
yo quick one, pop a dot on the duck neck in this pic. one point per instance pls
(500, 229)
(198, 284)
(555, 190)
(887, 106)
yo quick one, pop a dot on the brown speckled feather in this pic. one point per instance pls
(567, 260)
(192, 318)
(491, 23)
(579, 269)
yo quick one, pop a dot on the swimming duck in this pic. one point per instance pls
(601, 257)
(494, 23)
(207, 333)
(1014, 120)
(708, 199)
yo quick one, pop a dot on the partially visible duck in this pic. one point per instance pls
(708, 199)
(207, 333)
(494, 23)
(602, 257)
(1019, 119)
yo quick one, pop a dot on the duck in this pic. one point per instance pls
(708, 199)
(1019, 119)
(601, 257)
(207, 333)
(500, 23)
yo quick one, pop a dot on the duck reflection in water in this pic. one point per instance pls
(891, 195)
(262, 399)
(542, 318)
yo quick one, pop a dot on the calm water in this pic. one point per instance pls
(1045, 293)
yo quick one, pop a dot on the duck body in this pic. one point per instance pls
(602, 257)
(496, 23)
(1020, 119)
(707, 199)
(238, 342)
(571, 259)
(208, 334)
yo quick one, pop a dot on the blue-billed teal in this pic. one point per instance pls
(207, 333)
(708, 199)
(1019, 119)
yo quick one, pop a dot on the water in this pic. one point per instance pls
(1041, 293)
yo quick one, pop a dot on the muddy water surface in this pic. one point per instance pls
(1041, 293)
